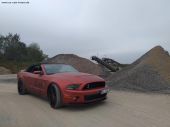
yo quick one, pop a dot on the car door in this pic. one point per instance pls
(28, 78)
(33, 80)
(39, 81)
(29, 81)
(40, 84)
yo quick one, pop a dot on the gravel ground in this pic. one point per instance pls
(141, 78)
(122, 109)
(10, 78)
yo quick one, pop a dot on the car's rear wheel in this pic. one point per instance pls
(21, 88)
(54, 96)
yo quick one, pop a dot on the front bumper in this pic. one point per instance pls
(84, 96)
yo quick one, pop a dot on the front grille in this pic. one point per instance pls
(94, 96)
(94, 85)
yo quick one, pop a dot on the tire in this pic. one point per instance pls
(54, 96)
(21, 88)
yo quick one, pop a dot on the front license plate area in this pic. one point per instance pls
(104, 91)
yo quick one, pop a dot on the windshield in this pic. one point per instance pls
(58, 68)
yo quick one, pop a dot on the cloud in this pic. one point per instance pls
(114, 28)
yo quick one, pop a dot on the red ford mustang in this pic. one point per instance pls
(61, 84)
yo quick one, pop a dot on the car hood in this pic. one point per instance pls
(77, 77)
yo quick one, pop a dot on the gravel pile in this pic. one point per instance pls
(4, 71)
(81, 64)
(151, 72)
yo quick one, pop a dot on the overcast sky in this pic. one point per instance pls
(120, 29)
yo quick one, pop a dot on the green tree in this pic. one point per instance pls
(13, 48)
(2, 39)
(35, 53)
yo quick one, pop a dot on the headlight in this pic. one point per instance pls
(73, 86)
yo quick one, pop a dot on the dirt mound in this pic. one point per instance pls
(4, 71)
(81, 64)
(151, 72)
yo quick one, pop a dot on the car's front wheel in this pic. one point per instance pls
(21, 88)
(54, 96)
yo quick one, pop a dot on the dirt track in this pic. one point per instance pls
(122, 109)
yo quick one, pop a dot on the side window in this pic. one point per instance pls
(29, 69)
(37, 68)
(33, 68)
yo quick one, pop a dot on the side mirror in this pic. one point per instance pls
(38, 72)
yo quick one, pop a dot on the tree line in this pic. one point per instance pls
(12, 50)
